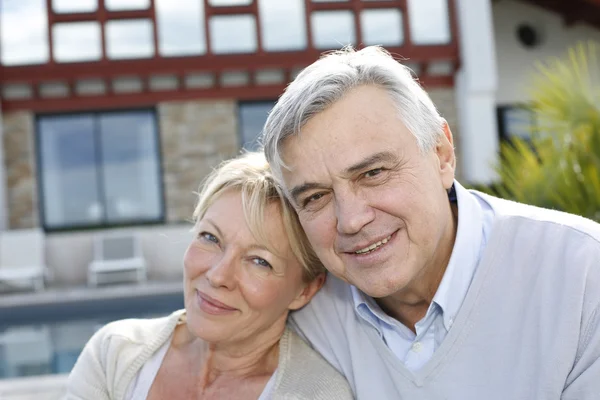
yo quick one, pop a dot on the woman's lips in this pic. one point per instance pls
(212, 306)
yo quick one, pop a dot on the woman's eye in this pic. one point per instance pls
(261, 262)
(373, 172)
(209, 237)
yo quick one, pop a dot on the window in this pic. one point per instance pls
(129, 38)
(283, 24)
(332, 29)
(429, 22)
(180, 27)
(23, 32)
(99, 169)
(515, 120)
(382, 27)
(233, 34)
(77, 41)
(253, 116)
(74, 6)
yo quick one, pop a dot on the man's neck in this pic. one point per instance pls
(410, 305)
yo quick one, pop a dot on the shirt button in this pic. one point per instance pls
(416, 347)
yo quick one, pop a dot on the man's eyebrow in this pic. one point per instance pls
(305, 187)
(383, 156)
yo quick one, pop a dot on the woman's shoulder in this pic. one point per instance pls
(303, 373)
(138, 330)
(113, 350)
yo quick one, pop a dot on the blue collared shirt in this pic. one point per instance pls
(475, 218)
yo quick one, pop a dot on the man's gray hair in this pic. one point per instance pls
(327, 80)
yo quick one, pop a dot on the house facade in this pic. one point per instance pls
(113, 111)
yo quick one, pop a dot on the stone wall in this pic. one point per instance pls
(444, 99)
(20, 166)
(195, 137)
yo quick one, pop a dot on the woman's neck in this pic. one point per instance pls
(254, 356)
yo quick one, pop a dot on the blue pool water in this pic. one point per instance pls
(47, 339)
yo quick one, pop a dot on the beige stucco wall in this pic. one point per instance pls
(195, 137)
(445, 101)
(20, 169)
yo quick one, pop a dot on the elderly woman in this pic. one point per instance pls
(242, 276)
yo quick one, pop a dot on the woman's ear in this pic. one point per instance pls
(310, 289)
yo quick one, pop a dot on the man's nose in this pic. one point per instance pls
(353, 212)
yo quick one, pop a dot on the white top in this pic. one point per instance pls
(475, 217)
(528, 328)
(141, 383)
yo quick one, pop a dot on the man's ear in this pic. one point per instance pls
(310, 289)
(444, 150)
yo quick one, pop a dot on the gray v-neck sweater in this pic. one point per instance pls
(529, 327)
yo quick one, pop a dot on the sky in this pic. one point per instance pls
(24, 27)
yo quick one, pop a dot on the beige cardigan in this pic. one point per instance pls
(116, 353)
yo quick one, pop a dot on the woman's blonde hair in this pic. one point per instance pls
(251, 175)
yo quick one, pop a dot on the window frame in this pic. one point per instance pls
(103, 224)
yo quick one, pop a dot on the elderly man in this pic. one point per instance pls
(435, 292)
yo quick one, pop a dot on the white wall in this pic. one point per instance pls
(515, 62)
(476, 85)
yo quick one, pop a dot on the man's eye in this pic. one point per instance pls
(261, 262)
(208, 237)
(313, 198)
(373, 172)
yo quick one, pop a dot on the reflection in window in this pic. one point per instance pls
(233, 34)
(119, 5)
(429, 21)
(253, 116)
(130, 38)
(229, 2)
(74, 6)
(76, 41)
(516, 120)
(180, 27)
(382, 26)
(23, 32)
(283, 25)
(332, 29)
(99, 169)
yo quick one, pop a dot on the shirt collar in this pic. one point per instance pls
(464, 259)
(459, 272)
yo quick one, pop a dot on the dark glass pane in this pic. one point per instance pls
(252, 119)
(68, 169)
(130, 166)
